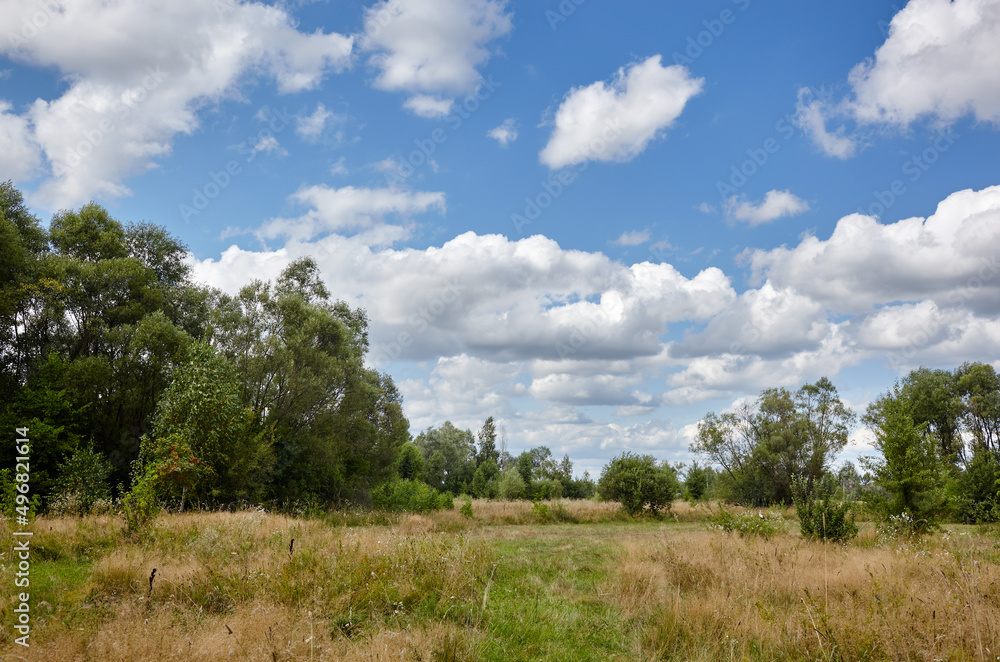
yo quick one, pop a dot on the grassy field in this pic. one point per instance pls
(577, 582)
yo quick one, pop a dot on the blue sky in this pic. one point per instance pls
(723, 196)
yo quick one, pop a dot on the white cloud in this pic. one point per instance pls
(939, 61)
(811, 116)
(340, 167)
(311, 126)
(268, 144)
(776, 204)
(633, 238)
(138, 71)
(428, 106)
(941, 58)
(949, 257)
(432, 48)
(348, 208)
(20, 157)
(616, 122)
(506, 133)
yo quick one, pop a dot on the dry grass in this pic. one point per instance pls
(235, 586)
(579, 511)
(707, 596)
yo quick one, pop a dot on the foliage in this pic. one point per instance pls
(975, 491)
(696, 482)
(83, 480)
(764, 445)
(466, 509)
(909, 470)
(749, 524)
(409, 462)
(540, 510)
(449, 457)
(638, 482)
(410, 496)
(511, 486)
(487, 443)
(820, 515)
(485, 482)
(140, 506)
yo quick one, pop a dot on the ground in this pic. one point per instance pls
(578, 582)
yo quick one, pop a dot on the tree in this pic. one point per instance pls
(487, 443)
(696, 482)
(935, 400)
(485, 480)
(637, 482)
(455, 465)
(764, 445)
(909, 469)
(410, 463)
(523, 466)
(202, 431)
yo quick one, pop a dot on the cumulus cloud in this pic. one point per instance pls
(776, 204)
(432, 48)
(941, 59)
(949, 257)
(139, 71)
(348, 208)
(506, 133)
(20, 156)
(617, 121)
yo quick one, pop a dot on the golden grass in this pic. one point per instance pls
(705, 595)
(235, 586)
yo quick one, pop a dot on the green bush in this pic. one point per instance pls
(466, 509)
(820, 516)
(82, 483)
(140, 506)
(546, 489)
(486, 480)
(749, 524)
(637, 482)
(410, 496)
(511, 486)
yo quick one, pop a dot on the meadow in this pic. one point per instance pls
(572, 580)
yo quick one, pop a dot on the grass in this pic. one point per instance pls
(579, 582)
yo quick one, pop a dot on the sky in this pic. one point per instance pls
(593, 221)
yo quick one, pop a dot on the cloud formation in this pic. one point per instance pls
(617, 121)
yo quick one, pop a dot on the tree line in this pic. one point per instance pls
(936, 437)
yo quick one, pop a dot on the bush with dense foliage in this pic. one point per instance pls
(638, 482)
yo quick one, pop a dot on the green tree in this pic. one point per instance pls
(487, 443)
(638, 482)
(909, 469)
(410, 463)
(696, 482)
(524, 467)
(764, 445)
(485, 480)
(457, 462)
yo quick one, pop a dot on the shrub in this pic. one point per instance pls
(540, 511)
(546, 489)
(485, 482)
(411, 496)
(140, 507)
(83, 482)
(637, 482)
(466, 509)
(511, 486)
(821, 517)
(749, 524)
